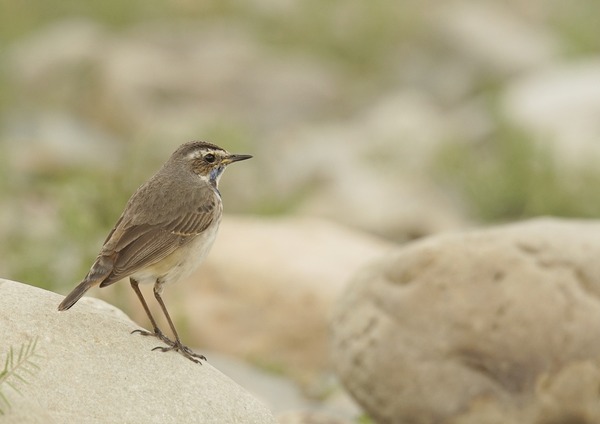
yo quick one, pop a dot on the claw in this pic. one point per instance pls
(157, 333)
(184, 350)
(171, 345)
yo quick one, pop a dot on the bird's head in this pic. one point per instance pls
(207, 160)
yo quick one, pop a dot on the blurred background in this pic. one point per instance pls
(397, 119)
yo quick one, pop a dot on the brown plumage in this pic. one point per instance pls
(167, 227)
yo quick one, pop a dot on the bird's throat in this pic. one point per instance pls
(215, 175)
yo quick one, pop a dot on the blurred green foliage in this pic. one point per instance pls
(577, 23)
(84, 205)
(364, 419)
(511, 177)
(361, 32)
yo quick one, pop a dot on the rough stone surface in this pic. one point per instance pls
(91, 370)
(492, 326)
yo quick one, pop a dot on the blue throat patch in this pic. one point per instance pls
(214, 175)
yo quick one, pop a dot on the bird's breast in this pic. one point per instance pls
(182, 262)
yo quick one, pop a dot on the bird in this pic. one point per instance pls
(166, 229)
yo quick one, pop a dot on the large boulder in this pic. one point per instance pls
(490, 326)
(84, 366)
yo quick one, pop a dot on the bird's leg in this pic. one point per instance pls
(155, 330)
(176, 345)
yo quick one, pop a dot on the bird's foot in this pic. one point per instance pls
(156, 333)
(184, 350)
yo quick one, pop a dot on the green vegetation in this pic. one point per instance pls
(364, 419)
(18, 367)
(511, 177)
(577, 24)
(82, 205)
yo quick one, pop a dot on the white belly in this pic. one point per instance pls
(181, 263)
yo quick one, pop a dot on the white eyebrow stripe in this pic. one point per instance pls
(195, 154)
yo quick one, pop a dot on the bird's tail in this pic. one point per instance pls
(76, 294)
(100, 270)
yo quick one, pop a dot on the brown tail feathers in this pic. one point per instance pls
(76, 294)
(99, 271)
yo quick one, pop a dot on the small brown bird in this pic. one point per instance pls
(167, 228)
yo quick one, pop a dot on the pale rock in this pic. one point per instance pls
(92, 370)
(171, 79)
(400, 209)
(51, 142)
(406, 126)
(495, 37)
(56, 53)
(372, 169)
(206, 74)
(281, 394)
(307, 417)
(488, 326)
(559, 106)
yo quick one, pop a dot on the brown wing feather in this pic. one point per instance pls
(144, 251)
(138, 246)
(192, 223)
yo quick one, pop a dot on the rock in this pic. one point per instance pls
(60, 142)
(281, 395)
(92, 370)
(266, 290)
(202, 75)
(302, 417)
(490, 326)
(559, 105)
(495, 37)
(61, 53)
(372, 171)
(399, 209)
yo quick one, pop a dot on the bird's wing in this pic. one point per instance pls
(135, 245)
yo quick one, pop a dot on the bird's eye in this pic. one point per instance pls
(210, 158)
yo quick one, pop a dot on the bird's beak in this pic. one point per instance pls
(235, 158)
